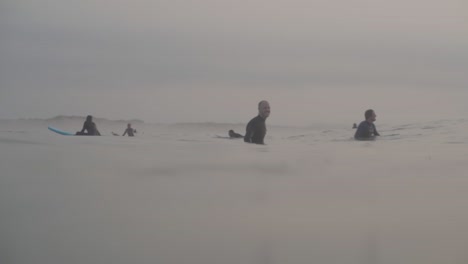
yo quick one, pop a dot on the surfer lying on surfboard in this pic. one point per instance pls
(233, 134)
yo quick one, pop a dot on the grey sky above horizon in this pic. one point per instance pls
(214, 60)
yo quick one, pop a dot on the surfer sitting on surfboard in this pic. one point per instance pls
(256, 130)
(366, 129)
(129, 130)
(90, 127)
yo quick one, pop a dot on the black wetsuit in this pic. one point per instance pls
(366, 131)
(129, 131)
(255, 130)
(90, 128)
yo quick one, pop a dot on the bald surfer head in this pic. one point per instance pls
(264, 109)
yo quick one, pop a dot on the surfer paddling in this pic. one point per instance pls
(233, 134)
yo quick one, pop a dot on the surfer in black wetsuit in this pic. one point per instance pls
(366, 129)
(233, 134)
(90, 127)
(129, 130)
(256, 129)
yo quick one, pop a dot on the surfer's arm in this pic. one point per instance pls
(125, 132)
(375, 132)
(249, 134)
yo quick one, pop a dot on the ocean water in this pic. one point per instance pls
(183, 194)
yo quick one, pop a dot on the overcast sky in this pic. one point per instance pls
(213, 60)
